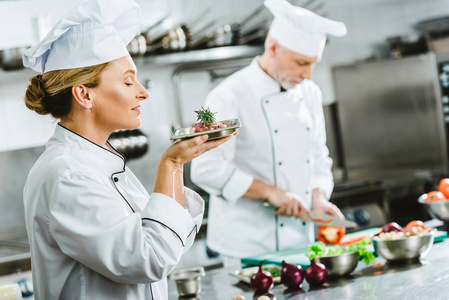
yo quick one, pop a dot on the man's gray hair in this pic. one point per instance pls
(268, 38)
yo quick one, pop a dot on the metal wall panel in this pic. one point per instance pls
(391, 116)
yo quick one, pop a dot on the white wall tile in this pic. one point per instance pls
(25, 128)
(3, 125)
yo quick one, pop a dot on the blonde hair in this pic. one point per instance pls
(51, 93)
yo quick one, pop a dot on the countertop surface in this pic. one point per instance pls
(426, 279)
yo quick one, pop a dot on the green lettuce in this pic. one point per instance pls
(319, 249)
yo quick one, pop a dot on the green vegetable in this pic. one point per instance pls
(205, 116)
(274, 272)
(363, 250)
(319, 249)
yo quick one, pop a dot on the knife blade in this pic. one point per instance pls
(321, 218)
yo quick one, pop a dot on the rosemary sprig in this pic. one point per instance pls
(205, 116)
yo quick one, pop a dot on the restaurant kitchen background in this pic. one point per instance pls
(384, 96)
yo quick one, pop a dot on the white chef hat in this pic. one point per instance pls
(95, 32)
(301, 30)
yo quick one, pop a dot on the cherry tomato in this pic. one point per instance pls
(434, 197)
(412, 224)
(331, 235)
(443, 187)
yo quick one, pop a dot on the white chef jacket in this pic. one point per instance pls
(282, 142)
(94, 231)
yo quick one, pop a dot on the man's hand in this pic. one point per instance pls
(321, 204)
(288, 204)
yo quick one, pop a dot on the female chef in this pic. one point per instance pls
(94, 231)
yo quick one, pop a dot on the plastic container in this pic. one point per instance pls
(10, 292)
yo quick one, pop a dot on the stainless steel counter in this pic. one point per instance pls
(427, 279)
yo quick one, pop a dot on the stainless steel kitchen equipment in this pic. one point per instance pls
(437, 209)
(401, 46)
(340, 265)
(393, 123)
(137, 46)
(11, 59)
(320, 219)
(404, 249)
(188, 281)
(435, 28)
(436, 32)
(244, 32)
(394, 116)
(187, 132)
(132, 143)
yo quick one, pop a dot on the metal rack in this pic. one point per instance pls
(195, 57)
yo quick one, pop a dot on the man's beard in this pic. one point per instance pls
(289, 84)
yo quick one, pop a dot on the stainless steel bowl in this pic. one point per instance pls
(439, 210)
(340, 265)
(188, 281)
(408, 248)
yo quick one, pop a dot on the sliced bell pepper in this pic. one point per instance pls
(353, 240)
(319, 220)
(331, 235)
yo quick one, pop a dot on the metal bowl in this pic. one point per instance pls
(439, 210)
(407, 248)
(188, 281)
(340, 265)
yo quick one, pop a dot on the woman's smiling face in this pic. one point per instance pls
(116, 100)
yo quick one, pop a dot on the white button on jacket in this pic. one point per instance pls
(94, 231)
(282, 143)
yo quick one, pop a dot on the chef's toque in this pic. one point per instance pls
(301, 30)
(95, 32)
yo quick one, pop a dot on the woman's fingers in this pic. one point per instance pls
(186, 150)
(203, 145)
(215, 143)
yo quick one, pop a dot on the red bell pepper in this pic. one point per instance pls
(331, 235)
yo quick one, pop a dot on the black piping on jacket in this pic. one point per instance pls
(121, 156)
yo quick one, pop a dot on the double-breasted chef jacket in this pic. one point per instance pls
(282, 142)
(94, 231)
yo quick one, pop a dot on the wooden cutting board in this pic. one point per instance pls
(298, 255)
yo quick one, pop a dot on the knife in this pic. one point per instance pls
(321, 218)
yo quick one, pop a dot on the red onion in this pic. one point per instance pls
(262, 281)
(316, 273)
(393, 226)
(291, 275)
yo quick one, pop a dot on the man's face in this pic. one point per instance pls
(291, 68)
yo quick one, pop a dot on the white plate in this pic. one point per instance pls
(187, 132)
(244, 274)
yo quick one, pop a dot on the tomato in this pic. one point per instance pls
(331, 235)
(412, 224)
(443, 187)
(434, 197)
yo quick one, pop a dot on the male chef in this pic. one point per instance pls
(280, 155)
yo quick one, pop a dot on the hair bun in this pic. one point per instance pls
(35, 95)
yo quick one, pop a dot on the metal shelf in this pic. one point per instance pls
(201, 56)
(219, 54)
